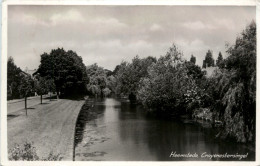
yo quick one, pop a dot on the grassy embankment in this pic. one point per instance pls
(50, 127)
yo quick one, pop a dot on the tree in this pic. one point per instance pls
(116, 69)
(128, 76)
(41, 86)
(106, 92)
(25, 88)
(220, 60)
(193, 59)
(164, 89)
(204, 64)
(66, 69)
(233, 88)
(14, 76)
(193, 70)
(97, 80)
(50, 86)
(111, 84)
(242, 56)
(209, 61)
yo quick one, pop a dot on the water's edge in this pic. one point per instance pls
(89, 112)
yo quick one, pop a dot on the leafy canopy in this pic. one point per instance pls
(168, 80)
(128, 75)
(209, 61)
(14, 76)
(67, 70)
(233, 88)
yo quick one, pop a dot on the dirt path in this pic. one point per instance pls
(49, 126)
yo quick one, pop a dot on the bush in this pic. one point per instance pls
(167, 81)
(28, 153)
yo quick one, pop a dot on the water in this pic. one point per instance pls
(124, 132)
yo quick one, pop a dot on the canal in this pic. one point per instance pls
(123, 132)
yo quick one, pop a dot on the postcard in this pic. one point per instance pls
(129, 83)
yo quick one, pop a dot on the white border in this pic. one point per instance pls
(3, 158)
(133, 2)
(3, 85)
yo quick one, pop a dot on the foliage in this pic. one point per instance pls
(14, 76)
(28, 153)
(97, 80)
(111, 84)
(194, 71)
(41, 85)
(128, 75)
(233, 89)
(52, 157)
(26, 86)
(220, 61)
(167, 83)
(66, 69)
(243, 53)
(209, 61)
(116, 69)
(194, 98)
(193, 59)
(106, 92)
(50, 84)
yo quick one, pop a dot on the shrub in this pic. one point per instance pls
(28, 153)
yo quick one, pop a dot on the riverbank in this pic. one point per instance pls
(50, 127)
(206, 115)
(112, 129)
(87, 113)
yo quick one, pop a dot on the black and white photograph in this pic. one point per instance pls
(162, 83)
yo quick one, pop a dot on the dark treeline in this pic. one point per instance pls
(14, 79)
(167, 86)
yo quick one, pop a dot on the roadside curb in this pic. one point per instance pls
(69, 155)
(75, 125)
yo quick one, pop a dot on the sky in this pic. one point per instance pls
(108, 35)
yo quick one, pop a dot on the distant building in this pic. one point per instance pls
(30, 72)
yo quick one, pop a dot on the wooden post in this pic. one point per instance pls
(25, 100)
(41, 98)
(57, 95)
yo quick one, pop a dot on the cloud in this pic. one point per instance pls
(156, 27)
(21, 18)
(192, 47)
(107, 22)
(109, 53)
(69, 16)
(198, 25)
(109, 34)
(225, 23)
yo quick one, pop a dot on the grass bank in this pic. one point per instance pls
(50, 127)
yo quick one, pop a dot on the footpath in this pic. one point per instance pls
(49, 126)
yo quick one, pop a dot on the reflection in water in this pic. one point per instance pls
(85, 115)
(124, 132)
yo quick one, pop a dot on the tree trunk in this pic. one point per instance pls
(57, 95)
(41, 98)
(50, 96)
(102, 95)
(25, 101)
